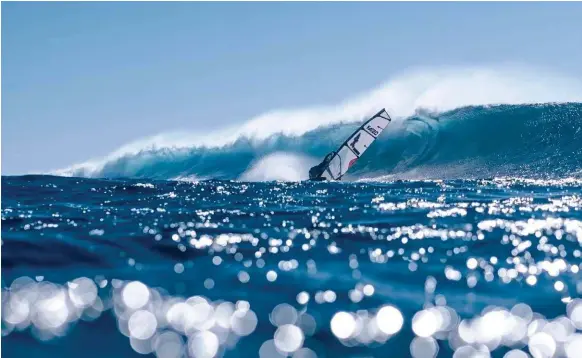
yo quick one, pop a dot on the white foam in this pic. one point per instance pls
(279, 166)
(436, 90)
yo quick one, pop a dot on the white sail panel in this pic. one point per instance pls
(376, 126)
(359, 142)
(340, 163)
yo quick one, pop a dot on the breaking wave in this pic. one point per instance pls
(473, 123)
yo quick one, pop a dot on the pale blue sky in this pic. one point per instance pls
(81, 79)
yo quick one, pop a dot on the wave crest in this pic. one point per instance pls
(486, 113)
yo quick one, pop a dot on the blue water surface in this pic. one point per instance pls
(395, 268)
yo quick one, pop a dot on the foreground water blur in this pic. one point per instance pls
(117, 268)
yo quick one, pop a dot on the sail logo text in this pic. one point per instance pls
(372, 130)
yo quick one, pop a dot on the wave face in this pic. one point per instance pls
(542, 140)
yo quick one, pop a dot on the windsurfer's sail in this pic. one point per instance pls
(353, 148)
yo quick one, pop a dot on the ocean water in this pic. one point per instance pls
(457, 234)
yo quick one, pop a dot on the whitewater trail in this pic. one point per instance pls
(436, 113)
